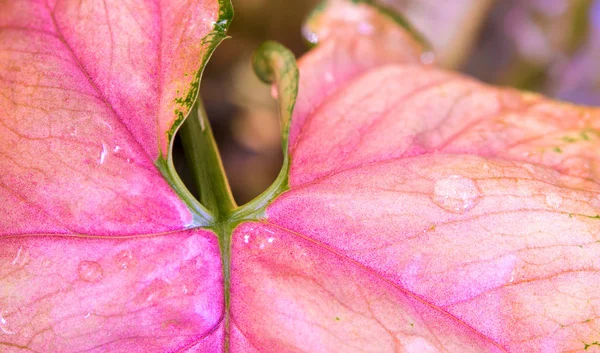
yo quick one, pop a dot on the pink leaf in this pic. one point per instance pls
(94, 255)
(90, 94)
(291, 293)
(427, 212)
(147, 294)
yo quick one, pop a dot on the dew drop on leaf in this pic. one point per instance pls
(103, 154)
(456, 194)
(21, 258)
(90, 271)
(123, 259)
(4, 326)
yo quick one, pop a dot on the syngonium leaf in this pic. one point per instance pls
(426, 212)
(91, 96)
(417, 210)
(94, 252)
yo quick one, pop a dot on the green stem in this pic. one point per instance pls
(204, 160)
(273, 63)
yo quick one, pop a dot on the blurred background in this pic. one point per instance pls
(548, 46)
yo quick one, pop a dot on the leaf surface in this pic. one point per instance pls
(426, 212)
(422, 212)
(94, 251)
(90, 95)
(158, 293)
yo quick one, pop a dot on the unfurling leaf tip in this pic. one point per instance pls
(264, 60)
(273, 63)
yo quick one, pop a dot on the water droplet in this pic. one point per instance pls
(21, 258)
(116, 149)
(576, 166)
(309, 35)
(124, 259)
(87, 315)
(456, 194)
(554, 201)
(103, 154)
(270, 240)
(246, 238)
(90, 271)
(4, 326)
